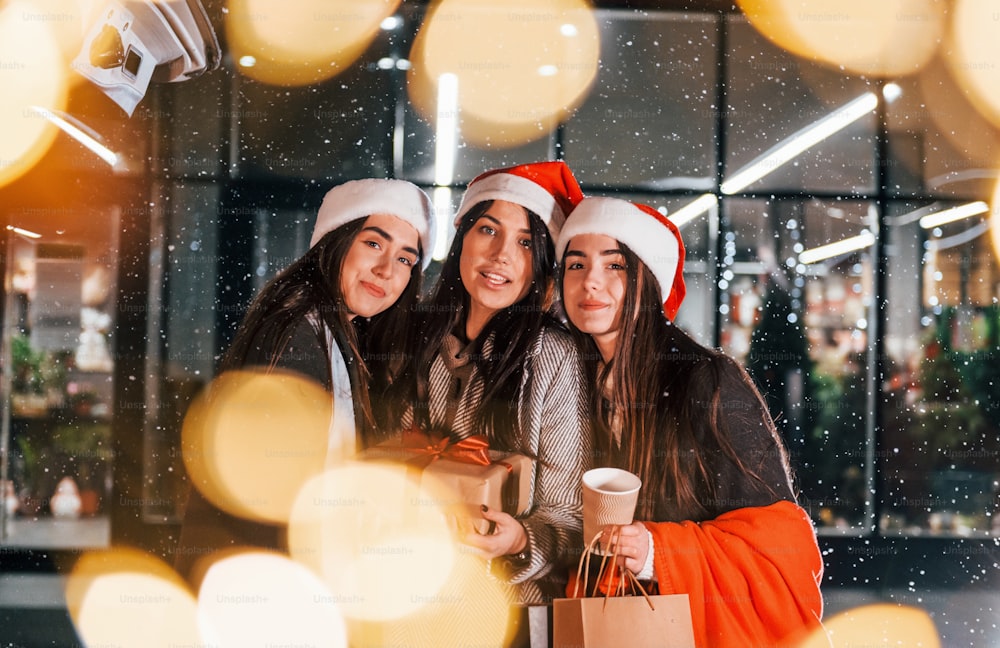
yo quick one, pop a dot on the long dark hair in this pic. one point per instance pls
(373, 349)
(512, 331)
(665, 399)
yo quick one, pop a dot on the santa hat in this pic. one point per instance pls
(647, 232)
(362, 198)
(545, 188)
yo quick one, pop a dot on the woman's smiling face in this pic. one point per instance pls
(378, 264)
(495, 265)
(593, 288)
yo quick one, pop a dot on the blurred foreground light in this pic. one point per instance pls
(957, 120)
(471, 609)
(68, 19)
(123, 597)
(302, 42)
(521, 66)
(884, 38)
(973, 54)
(398, 576)
(251, 440)
(32, 73)
(994, 224)
(399, 550)
(876, 625)
(265, 599)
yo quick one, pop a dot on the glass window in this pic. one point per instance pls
(651, 118)
(776, 99)
(942, 394)
(337, 129)
(195, 120)
(58, 405)
(181, 334)
(798, 293)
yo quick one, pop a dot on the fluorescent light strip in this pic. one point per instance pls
(693, 209)
(799, 142)
(780, 154)
(24, 232)
(442, 216)
(852, 244)
(99, 149)
(967, 210)
(446, 139)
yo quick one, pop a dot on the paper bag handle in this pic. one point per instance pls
(583, 571)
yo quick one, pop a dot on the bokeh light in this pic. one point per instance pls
(973, 52)
(955, 119)
(262, 598)
(123, 597)
(251, 440)
(471, 609)
(881, 624)
(885, 38)
(399, 550)
(521, 66)
(301, 42)
(70, 20)
(994, 221)
(399, 576)
(32, 73)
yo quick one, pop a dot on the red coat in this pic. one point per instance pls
(752, 574)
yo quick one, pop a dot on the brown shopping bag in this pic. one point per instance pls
(630, 617)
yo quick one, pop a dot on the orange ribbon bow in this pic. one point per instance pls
(472, 449)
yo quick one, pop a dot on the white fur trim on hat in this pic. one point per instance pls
(649, 238)
(361, 198)
(515, 189)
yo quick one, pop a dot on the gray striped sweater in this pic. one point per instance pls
(554, 427)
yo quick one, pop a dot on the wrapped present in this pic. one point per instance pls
(462, 476)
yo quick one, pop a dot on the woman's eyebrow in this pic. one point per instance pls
(384, 234)
(524, 230)
(611, 252)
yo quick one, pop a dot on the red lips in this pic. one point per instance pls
(373, 290)
(591, 305)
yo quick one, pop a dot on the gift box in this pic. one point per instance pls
(460, 477)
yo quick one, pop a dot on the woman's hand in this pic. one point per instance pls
(631, 542)
(508, 537)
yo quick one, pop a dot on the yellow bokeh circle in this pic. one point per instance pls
(520, 67)
(884, 38)
(973, 54)
(252, 439)
(301, 42)
(32, 75)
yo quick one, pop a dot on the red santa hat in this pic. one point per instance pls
(647, 232)
(545, 188)
(361, 198)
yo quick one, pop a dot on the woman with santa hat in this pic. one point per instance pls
(333, 316)
(717, 516)
(494, 362)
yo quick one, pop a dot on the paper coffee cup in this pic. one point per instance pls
(609, 497)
